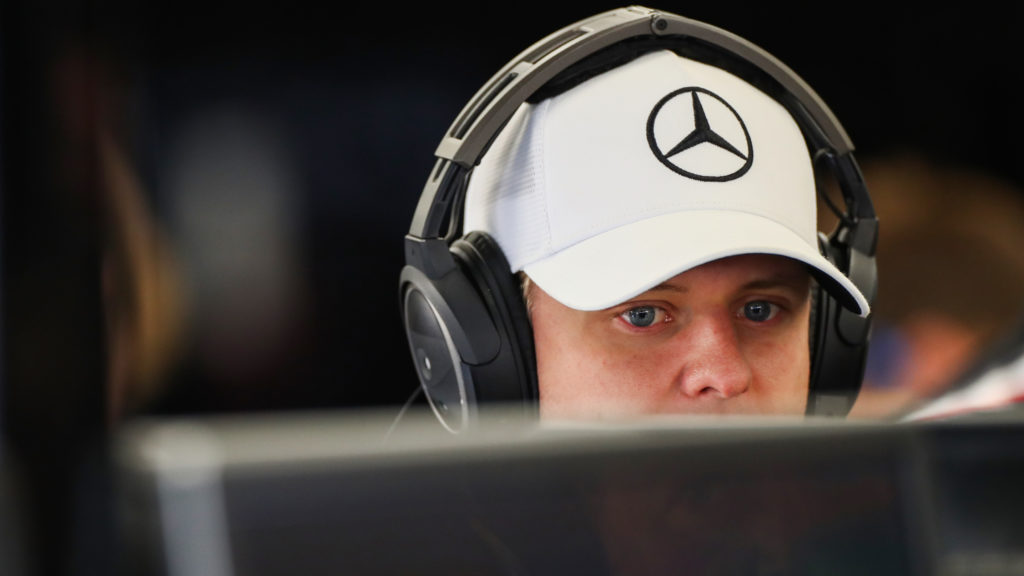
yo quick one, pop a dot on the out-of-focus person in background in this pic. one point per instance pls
(992, 384)
(953, 277)
(143, 299)
(145, 304)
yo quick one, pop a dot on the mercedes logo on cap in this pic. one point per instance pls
(699, 135)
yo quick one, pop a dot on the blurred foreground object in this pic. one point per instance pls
(325, 494)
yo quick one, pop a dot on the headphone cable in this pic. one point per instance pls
(401, 413)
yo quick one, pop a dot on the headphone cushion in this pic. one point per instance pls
(485, 264)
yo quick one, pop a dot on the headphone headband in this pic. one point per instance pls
(494, 104)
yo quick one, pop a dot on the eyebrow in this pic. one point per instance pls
(666, 287)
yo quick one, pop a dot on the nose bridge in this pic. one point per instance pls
(715, 364)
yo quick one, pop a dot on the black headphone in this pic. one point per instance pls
(465, 318)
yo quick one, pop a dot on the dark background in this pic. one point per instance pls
(278, 150)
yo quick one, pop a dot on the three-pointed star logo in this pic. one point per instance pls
(685, 155)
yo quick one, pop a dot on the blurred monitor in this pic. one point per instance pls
(974, 474)
(14, 515)
(326, 494)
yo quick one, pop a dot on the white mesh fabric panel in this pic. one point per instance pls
(506, 191)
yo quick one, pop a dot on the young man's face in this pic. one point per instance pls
(727, 337)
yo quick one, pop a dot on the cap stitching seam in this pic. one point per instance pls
(543, 179)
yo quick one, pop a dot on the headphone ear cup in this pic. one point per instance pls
(512, 376)
(837, 364)
(469, 332)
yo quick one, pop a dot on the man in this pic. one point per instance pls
(659, 211)
(664, 215)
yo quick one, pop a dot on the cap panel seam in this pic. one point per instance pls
(544, 180)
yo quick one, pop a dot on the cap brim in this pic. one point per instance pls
(610, 268)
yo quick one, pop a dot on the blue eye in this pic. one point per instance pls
(641, 316)
(759, 311)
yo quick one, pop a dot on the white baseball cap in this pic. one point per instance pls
(643, 172)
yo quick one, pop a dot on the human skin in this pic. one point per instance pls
(726, 337)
